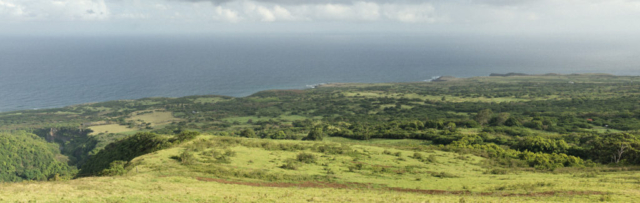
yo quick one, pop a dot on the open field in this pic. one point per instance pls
(110, 128)
(147, 188)
(156, 117)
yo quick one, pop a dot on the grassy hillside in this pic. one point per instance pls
(223, 169)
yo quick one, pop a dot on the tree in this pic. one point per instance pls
(186, 135)
(248, 133)
(499, 120)
(617, 154)
(483, 116)
(512, 122)
(278, 135)
(614, 147)
(314, 134)
(544, 145)
(451, 127)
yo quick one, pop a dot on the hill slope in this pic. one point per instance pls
(223, 169)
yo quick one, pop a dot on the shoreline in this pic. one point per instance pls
(343, 84)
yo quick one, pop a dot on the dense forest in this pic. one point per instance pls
(25, 156)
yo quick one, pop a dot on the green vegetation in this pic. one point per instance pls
(25, 156)
(522, 138)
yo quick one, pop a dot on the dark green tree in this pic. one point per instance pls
(248, 133)
(314, 134)
(483, 116)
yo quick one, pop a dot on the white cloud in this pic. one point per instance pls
(410, 14)
(265, 14)
(56, 10)
(367, 10)
(282, 13)
(492, 15)
(227, 15)
(10, 9)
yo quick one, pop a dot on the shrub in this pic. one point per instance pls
(444, 175)
(314, 134)
(115, 168)
(418, 156)
(229, 153)
(187, 158)
(432, 159)
(186, 135)
(248, 133)
(290, 164)
(306, 158)
(497, 171)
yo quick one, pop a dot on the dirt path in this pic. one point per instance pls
(382, 187)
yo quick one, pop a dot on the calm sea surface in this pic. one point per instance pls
(45, 72)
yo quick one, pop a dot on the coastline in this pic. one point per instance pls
(345, 84)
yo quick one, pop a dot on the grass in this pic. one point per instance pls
(157, 117)
(209, 100)
(147, 188)
(111, 128)
(379, 142)
(160, 177)
(244, 119)
(448, 98)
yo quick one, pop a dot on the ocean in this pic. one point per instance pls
(46, 72)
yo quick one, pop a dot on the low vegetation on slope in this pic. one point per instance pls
(223, 169)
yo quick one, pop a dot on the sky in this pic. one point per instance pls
(464, 17)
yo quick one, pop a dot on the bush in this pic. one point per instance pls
(187, 158)
(444, 175)
(115, 168)
(306, 158)
(249, 133)
(432, 159)
(314, 134)
(290, 164)
(186, 135)
(418, 156)
(497, 171)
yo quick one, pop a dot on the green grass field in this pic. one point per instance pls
(110, 128)
(253, 172)
(155, 118)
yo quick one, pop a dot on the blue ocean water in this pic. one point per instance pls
(46, 72)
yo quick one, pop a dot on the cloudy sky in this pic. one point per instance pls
(595, 17)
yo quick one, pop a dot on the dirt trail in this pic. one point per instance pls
(382, 187)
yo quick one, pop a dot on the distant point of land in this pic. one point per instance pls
(546, 74)
(445, 78)
(509, 74)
